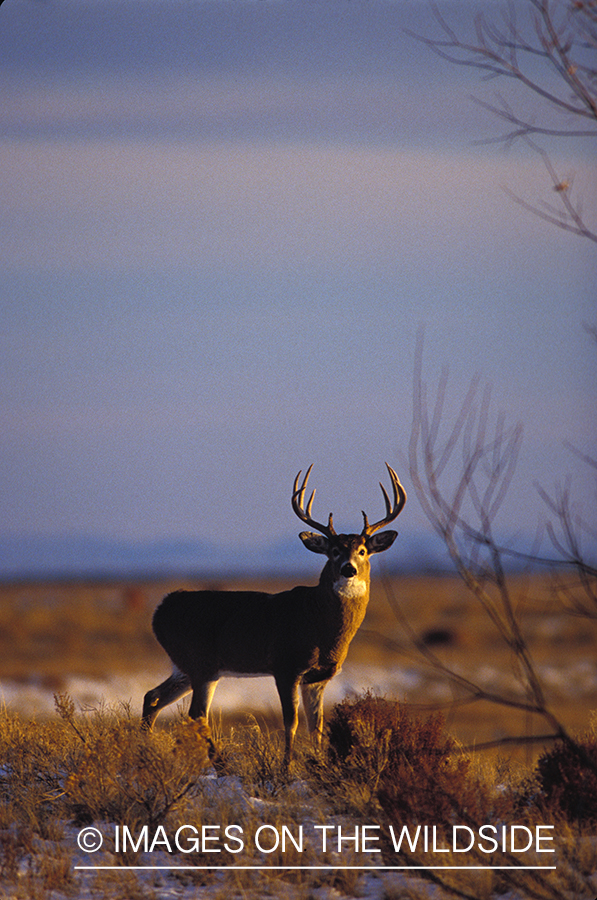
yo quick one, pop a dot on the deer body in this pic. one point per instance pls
(300, 636)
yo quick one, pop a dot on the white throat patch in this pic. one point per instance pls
(350, 588)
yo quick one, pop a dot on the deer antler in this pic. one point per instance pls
(393, 509)
(298, 505)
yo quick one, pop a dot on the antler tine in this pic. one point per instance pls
(393, 508)
(298, 505)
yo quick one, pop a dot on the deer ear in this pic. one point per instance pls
(317, 543)
(379, 542)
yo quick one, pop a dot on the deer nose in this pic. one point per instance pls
(348, 570)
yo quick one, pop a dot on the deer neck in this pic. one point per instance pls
(349, 595)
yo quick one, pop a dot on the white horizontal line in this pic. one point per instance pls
(294, 868)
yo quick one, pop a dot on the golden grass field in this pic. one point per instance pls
(51, 631)
(82, 764)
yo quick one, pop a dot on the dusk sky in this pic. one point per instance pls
(223, 224)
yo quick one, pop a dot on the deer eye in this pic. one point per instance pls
(335, 553)
(362, 551)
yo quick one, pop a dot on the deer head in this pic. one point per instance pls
(348, 554)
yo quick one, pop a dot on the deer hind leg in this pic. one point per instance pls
(313, 705)
(288, 691)
(164, 694)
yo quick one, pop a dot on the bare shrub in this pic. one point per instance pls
(126, 776)
(567, 783)
(416, 774)
(252, 751)
(16, 842)
(407, 764)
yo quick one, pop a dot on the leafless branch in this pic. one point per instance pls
(461, 478)
(549, 51)
(568, 215)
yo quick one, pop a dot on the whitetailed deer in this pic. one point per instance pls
(300, 636)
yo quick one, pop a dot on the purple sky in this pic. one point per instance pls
(222, 225)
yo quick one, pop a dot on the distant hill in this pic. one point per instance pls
(50, 556)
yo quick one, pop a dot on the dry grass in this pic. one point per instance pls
(61, 773)
(380, 766)
(421, 777)
(100, 770)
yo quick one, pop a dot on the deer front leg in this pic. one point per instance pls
(203, 692)
(313, 704)
(288, 691)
